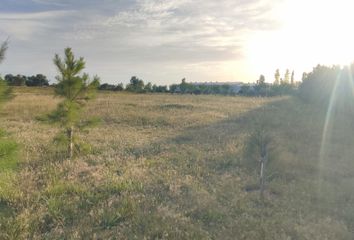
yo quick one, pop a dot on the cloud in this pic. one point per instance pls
(51, 2)
(210, 29)
(175, 34)
(24, 26)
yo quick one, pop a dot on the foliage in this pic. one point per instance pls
(18, 80)
(319, 84)
(38, 80)
(159, 89)
(277, 77)
(3, 49)
(107, 87)
(292, 81)
(119, 87)
(148, 87)
(282, 89)
(287, 77)
(136, 85)
(76, 90)
(189, 88)
(261, 88)
(111, 87)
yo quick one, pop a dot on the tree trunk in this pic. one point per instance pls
(261, 179)
(262, 172)
(70, 132)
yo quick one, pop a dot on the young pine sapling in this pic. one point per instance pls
(77, 89)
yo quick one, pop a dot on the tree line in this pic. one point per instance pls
(324, 83)
(135, 85)
(37, 80)
(281, 86)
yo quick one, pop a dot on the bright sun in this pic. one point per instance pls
(312, 32)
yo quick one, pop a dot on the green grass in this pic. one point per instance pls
(179, 167)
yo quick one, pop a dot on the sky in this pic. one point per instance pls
(163, 41)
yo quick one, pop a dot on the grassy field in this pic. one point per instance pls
(179, 167)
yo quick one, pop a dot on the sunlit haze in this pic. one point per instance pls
(312, 32)
(165, 41)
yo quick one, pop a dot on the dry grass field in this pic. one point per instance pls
(177, 167)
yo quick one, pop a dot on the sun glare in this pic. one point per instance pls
(312, 32)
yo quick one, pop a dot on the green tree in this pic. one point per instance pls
(148, 87)
(107, 87)
(18, 80)
(261, 87)
(5, 91)
(186, 87)
(317, 86)
(76, 89)
(3, 49)
(119, 87)
(174, 88)
(8, 148)
(277, 77)
(37, 81)
(292, 78)
(136, 85)
(287, 76)
(261, 80)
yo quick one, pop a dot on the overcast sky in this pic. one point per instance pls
(161, 41)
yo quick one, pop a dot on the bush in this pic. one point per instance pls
(325, 83)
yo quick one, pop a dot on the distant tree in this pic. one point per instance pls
(292, 78)
(136, 85)
(38, 80)
(18, 80)
(261, 87)
(187, 87)
(261, 80)
(184, 86)
(159, 89)
(281, 89)
(76, 89)
(246, 90)
(174, 88)
(287, 76)
(119, 87)
(277, 77)
(215, 89)
(196, 90)
(107, 87)
(318, 85)
(111, 87)
(225, 89)
(148, 87)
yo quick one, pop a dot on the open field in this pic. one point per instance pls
(177, 167)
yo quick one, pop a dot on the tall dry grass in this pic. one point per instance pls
(174, 167)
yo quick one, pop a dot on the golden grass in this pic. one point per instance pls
(174, 167)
